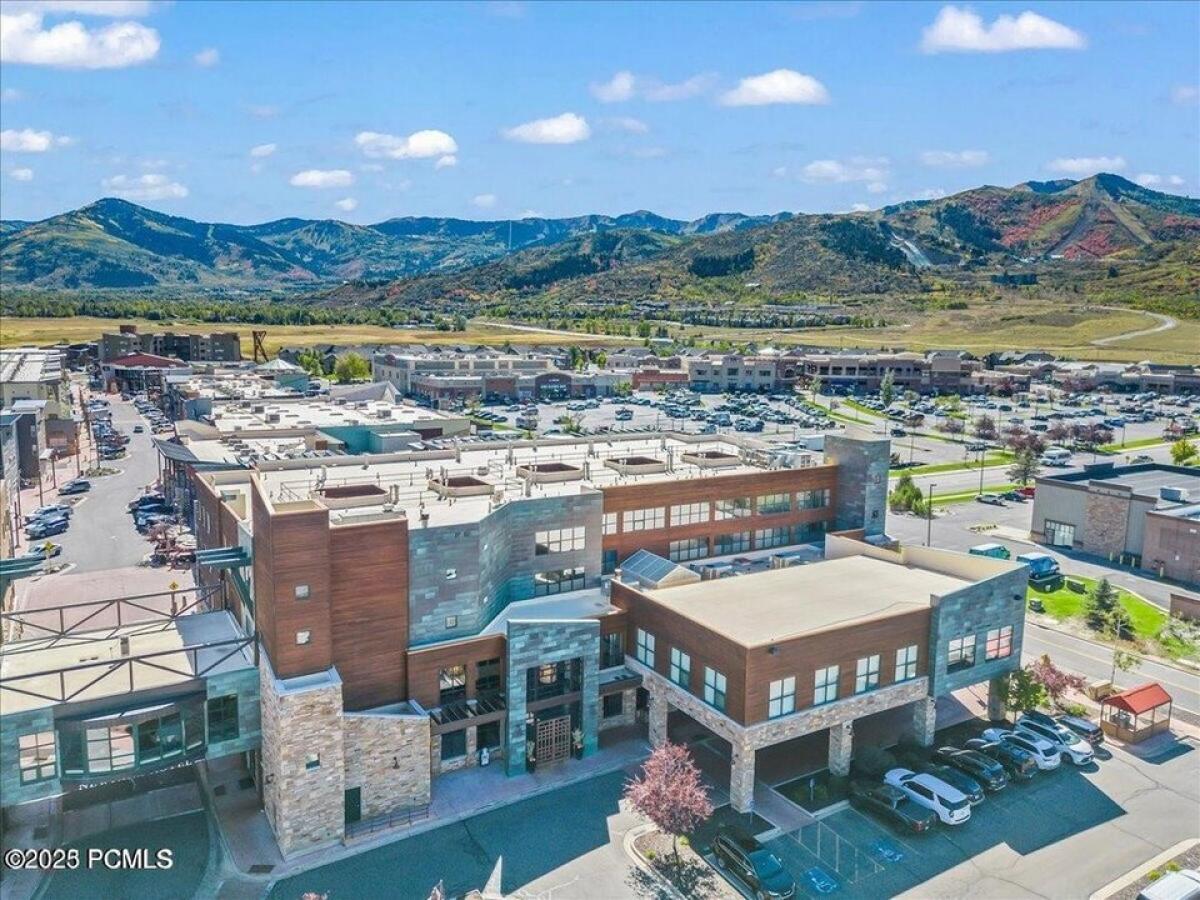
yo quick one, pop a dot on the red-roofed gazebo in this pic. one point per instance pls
(1137, 713)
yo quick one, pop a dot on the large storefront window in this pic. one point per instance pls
(160, 738)
(140, 739)
(1060, 534)
(37, 756)
(559, 581)
(222, 720)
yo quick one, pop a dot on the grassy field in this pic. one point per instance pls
(990, 460)
(16, 331)
(1146, 619)
(1140, 443)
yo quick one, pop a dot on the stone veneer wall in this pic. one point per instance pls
(538, 642)
(1105, 519)
(628, 711)
(991, 603)
(387, 756)
(862, 482)
(306, 807)
(493, 562)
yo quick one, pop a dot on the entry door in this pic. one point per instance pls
(553, 739)
(353, 805)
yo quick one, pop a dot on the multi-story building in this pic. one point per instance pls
(940, 371)
(31, 373)
(215, 347)
(1143, 515)
(414, 609)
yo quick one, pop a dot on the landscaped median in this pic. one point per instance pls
(1139, 444)
(967, 496)
(991, 460)
(1153, 630)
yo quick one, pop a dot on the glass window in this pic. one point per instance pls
(159, 739)
(558, 540)
(222, 718)
(454, 744)
(488, 735)
(312, 761)
(773, 504)
(724, 544)
(644, 519)
(866, 674)
(714, 688)
(810, 531)
(301, 592)
(1059, 534)
(612, 650)
(303, 637)
(813, 499)
(613, 704)
(681, 668)
(690, 513)
(610, 523)
(781, 697)
(960, 654)
(38, 756)
(487, 677)
(608, 562)
(558, 581)
(825, 685)
(733, 508)
(645, 648)
(689, 548)
(766, 538)
(999, 643)
(906, 663)
(452, 684)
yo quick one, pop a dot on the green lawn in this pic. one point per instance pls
(1001, 458)
(1146, 619)
(968, 496)
(1132, 445)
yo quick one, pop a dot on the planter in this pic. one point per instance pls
(577, 752)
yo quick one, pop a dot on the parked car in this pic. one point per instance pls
(45, 550)
(957, 779)
(947, 803)
(993, 499)
(891, 805)
(146, 500)
(757, 867)
(75, 486)
(138, 429)
(1066, 741)
(44, 528)
(979, 766)
(1044, 753)
(1085, 728)
(49, 511)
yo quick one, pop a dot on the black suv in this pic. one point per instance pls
(978, 765)
(755, 865)
(1019, 764)
(892, 805)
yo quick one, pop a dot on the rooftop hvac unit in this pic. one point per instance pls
(1173, 494)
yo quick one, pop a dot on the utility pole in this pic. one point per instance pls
(929, 515)
(981, 455)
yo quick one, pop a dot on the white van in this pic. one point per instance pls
(1056, 456)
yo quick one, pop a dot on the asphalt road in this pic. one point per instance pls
(102, 535)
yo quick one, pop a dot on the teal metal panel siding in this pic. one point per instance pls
(245, 684)
(12, 726)
(975, 609)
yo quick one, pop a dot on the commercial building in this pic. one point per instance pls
(818, 647)
(416, 608)
(1143, 516)
(141, 372)
(34, 379)
(937, 372)
(216, 347)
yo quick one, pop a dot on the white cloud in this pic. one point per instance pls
(484, 201)
(263, 150)
(627, 124)
(616, 90)
(1081, 166)
(207, 58)
(874, 170)
(418, 145)
(961, 30)
(624, 85)
(954, 159)
(27, 140)
(10, 95)
(1185, 94)
(565, 129)
(860, 207)
(449, 161)
(780, 86)
(152, 186)
(322, 178)
(1150, 180)
(347, 204)
(72, 45)
(21, 174)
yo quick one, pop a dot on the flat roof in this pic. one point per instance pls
(1144, 480)
(781, 604)
(279, 413)
(35, 665)
(586, 604)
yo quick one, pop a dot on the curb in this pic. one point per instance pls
(1133, 875)
(1157, 660)
(627, 843)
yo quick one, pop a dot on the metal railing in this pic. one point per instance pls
(395, 819)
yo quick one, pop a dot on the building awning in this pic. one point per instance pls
(20, 566)
(223, 557)
(1138, 700)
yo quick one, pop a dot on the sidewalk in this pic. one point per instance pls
(457, 795)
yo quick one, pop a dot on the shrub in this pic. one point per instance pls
(872, 762)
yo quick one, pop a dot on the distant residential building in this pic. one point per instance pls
(214, 347)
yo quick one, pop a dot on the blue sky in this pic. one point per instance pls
(362, 111)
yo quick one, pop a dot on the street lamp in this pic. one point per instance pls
(929, 515)
(982, 453)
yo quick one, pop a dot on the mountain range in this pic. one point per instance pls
(116, 244)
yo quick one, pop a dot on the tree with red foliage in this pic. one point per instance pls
(1053, 679)
(669, 792)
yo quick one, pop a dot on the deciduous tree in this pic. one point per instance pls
(670, 793)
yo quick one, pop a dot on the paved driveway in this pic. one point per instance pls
(564, 844)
